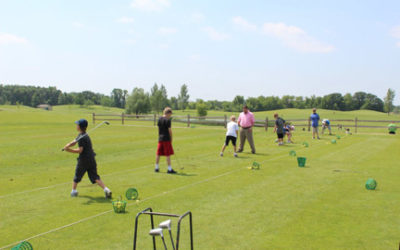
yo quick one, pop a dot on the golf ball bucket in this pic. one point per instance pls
(333, 141)
(23, 246)
(255, 166)
(132, 194)
(292, 153)
(301, 161)
(119, 206)
(305, 144)
(371, 184)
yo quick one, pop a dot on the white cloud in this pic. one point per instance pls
(215, 35)
(296, 38)
(150, 5)
(167, 30)
(125, 20)
(243, 24)
(130, 41)
(197, 17)
(163, 46)
(195, 57)
(78, 25)
(6, 38)
(396, 32)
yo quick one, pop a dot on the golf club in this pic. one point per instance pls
(167, 225)
(158, 232)
(179, 164)
(91, 130)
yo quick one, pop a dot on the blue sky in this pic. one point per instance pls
(218, 48)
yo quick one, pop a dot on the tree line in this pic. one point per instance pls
(140, 101)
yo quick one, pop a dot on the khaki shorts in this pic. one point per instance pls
(315, 129)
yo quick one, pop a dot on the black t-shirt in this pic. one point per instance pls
(163, 125)
(86, 143)
(280, 123)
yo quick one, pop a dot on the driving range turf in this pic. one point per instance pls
(281, 206)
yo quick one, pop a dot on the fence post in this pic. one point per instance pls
(355, 125)
(188, 120)
(266, 124)
(94, 118)
(309, 124)
(225, 121)
(123, 118)
(155, 118)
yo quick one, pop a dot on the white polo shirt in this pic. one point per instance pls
(232, 127)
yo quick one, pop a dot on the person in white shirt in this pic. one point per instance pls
(231, 135)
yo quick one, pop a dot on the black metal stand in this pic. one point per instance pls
(150, 212)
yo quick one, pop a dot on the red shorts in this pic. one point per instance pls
(164, 148)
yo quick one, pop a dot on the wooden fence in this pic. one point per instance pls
(188, 120)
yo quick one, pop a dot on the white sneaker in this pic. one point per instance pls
(74, 193)
(108, 194)
(221, 154)
(236, 155)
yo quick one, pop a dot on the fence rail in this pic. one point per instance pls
(223, 120)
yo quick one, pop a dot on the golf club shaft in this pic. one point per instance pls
(91, 130)
(172, 240)
(165, 245)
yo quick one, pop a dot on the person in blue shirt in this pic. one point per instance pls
(326, 124)
(314, 123)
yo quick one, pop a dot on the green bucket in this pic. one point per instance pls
(23, 246)
(338, 137)
(292, 153)
(255, 166)
(132, 194)
(371, 184)
(305, 144)
(333, 141)
(301, 161)
(119, 206)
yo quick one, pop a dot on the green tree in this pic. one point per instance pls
(348, 102)
(155, 99)
(183, 97)
(174, 103)
(118, 97)
(238, 103)
(201, 108)
(138, 102)
(389, 98)
(164, 97)
(372, 102)
(106, 101)
(359, 100)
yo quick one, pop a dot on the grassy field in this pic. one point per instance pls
(322, 206)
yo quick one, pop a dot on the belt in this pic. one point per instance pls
(246, 127)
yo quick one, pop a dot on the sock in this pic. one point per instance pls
(107, 190)
(157, 167)
(169, 168)
(74, 191)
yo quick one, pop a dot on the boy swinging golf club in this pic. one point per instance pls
(231, 135)
(86, 159)
(164, 147)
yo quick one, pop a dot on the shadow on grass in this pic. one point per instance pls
(91, 200)
(250, 154)
(180, 174)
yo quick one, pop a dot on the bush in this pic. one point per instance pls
(201, 109)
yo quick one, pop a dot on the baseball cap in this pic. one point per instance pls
(83, 123)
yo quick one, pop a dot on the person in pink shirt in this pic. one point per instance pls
(246, 123)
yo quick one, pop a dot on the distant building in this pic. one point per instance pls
(45, 107)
